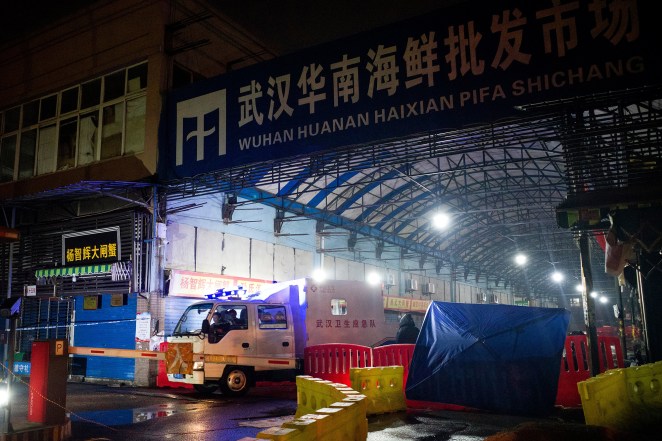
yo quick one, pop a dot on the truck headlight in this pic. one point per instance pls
(198, 365)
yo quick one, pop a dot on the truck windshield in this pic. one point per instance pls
(191, 320)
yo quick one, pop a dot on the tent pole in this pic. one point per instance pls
(589, 305)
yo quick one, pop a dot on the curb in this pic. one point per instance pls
(59, 432)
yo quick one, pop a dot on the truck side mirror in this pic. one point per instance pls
(211, 336)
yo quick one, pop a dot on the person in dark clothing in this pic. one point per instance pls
(220, 323)
(408, 332)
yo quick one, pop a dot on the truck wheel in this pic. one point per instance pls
(235, 381)
(206, 389)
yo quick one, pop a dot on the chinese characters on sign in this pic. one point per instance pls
(91, 247)
(340, 323)
(406, 304)
(429, 58)
(398, 81)
(398, 303)
(195, 284)
(91, 253)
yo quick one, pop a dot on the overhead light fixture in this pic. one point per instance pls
(579, 287)
(557, 277)
(520, 259)
(441, 220)
(373, 278)
(319, 275)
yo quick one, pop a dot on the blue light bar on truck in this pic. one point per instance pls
(230, 294)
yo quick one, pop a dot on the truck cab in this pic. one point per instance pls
(250, 340)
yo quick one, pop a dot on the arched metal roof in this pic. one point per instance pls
(502, 184)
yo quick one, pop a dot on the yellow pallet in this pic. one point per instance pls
(626, 399)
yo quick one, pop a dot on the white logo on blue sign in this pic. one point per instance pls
(201, 125)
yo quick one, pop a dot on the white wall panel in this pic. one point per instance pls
(235, 255)
(464, 294)
(304, 265)
(262, 260)
(208, 258)
(341, 269)
(179, 250)
(355, 271)
(329, 266)
(283, 263)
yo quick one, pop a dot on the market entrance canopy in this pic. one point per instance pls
(494, 357)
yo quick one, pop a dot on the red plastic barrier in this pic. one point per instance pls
(401, 355)
(574, 365)
(332, 361)
(162, 375)
(394, 355)
(611, 353)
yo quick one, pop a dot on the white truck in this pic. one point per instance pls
(267, 338)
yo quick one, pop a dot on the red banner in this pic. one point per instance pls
(195, 284)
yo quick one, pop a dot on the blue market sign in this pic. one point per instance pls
(443, 71)
(22, 368)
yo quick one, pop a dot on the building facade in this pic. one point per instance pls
(105, 257)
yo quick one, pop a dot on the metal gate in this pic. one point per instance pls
(42, 318)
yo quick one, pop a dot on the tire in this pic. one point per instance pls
(206, 389)
(236, 381)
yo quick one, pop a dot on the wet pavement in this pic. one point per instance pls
(105, 413)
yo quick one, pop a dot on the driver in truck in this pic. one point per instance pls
(220, 324)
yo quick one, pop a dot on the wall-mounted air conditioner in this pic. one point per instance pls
(429, 288)
(411, 285)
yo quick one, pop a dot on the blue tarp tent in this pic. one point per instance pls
(493, 357)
